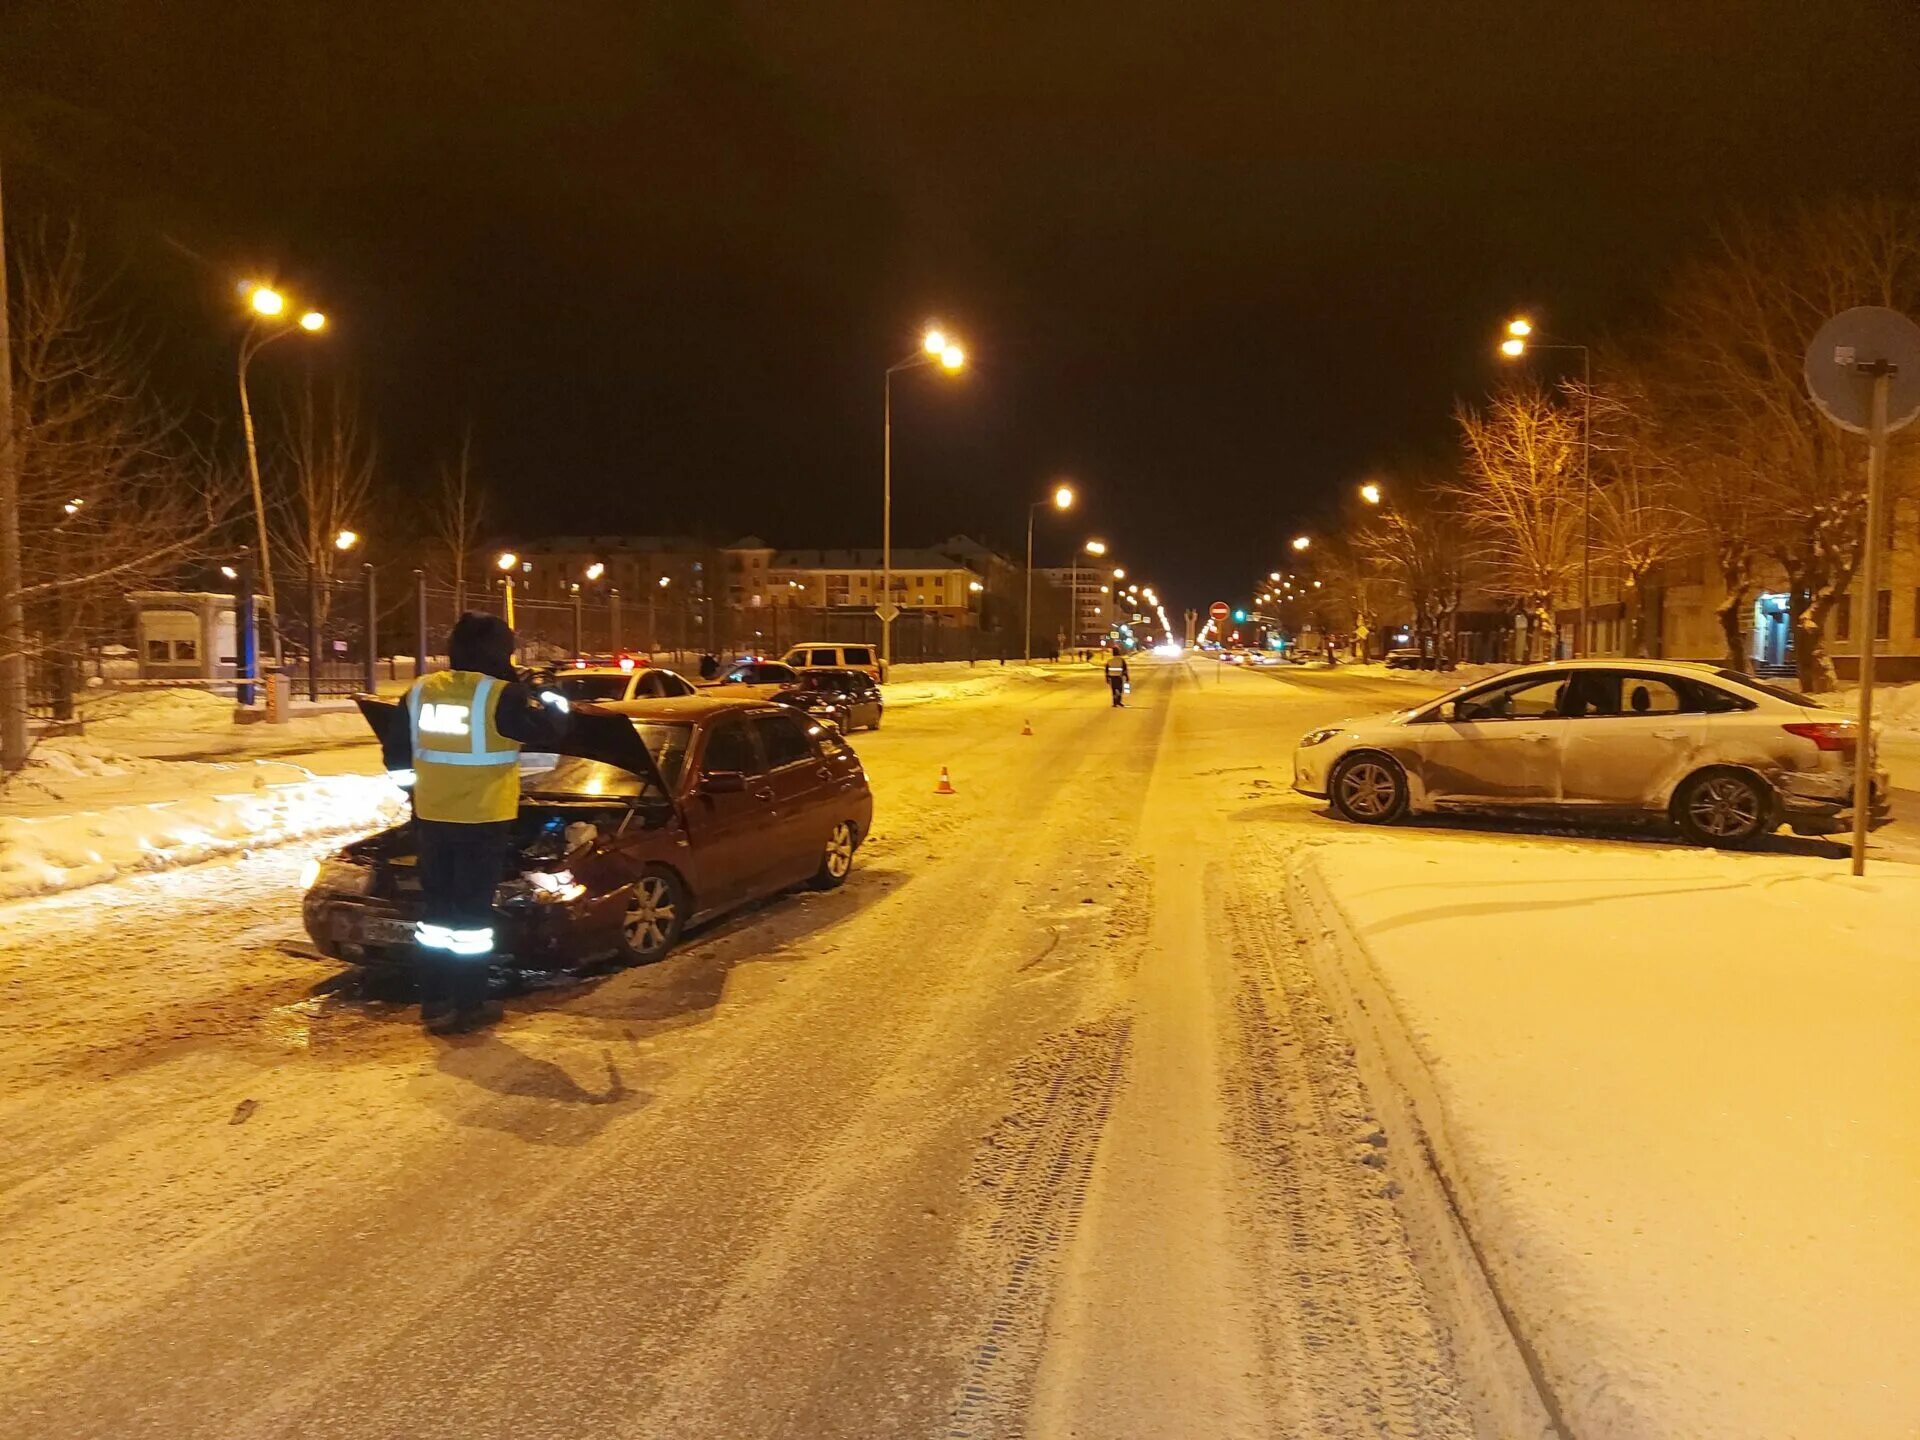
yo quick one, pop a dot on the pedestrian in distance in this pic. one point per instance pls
(709, 666)
(456, 744)
(1117, 678)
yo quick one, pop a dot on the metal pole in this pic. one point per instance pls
(613, 619)
(373, 638)
(886, 531)
(579, 648)
(1586, 485)
(247, 349)
(13, 610)
(1027, 621)
(419, 623)
(653, 630)
(313, 633)
(1870, 581)
(246, 636)
(506, 582)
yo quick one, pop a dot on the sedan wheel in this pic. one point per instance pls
(1368, 789)
(1722, 808)
(656, 911)
(837, 862)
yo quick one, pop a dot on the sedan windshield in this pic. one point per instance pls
(572, 777)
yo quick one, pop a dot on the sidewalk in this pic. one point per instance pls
(1671, 1095)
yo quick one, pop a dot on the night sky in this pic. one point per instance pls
(1214, 261)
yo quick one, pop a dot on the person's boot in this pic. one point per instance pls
(474, 1017)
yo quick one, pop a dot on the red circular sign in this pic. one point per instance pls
(1220, 610)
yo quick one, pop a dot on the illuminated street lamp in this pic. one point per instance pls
(1096, 547)
(267, 304)
(936, 348)
(1302, 542)
(1371, 492)
(1119, 573)
(346, 540)
(1517, 343)
(1060, 499)
(596, 570)
(507, 561)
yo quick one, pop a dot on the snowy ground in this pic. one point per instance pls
(1049, 1123)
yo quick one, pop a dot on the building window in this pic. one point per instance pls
(1843, 618)
(1883, 615)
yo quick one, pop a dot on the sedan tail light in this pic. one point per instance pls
(1827, 734)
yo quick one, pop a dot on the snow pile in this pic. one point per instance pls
(1428, 679)
(1672, 1094)
(63, 852)
(169, 711)
(1896, 708)
(954, 680)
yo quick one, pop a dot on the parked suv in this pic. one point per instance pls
(835, 656)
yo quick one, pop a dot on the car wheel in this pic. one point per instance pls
(1722, 808)
(655, 914)
(837, 861)
(1368, 788)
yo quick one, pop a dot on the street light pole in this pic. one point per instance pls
(935, 348)
(1520, 340)
(13, 618)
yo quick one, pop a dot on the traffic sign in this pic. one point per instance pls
(887, 611)
(1849, 351)
(1219, 610)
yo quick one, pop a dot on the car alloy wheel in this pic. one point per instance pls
(655, 911)
(1369, 789)
(837, 862)
(1722, 809)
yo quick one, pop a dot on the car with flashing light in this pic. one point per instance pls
(603, 682)
(850, 699)
(657, 815)
(1722, 757)
(833, 655)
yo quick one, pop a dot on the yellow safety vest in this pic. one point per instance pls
(464, 769)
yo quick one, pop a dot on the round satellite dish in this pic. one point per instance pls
(1849, 351)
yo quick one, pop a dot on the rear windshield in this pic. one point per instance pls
(591, 687)
(1792, 697)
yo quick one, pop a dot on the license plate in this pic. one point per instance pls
(372, 930)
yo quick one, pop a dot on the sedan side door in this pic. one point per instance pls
(730, 816)
(800, 780)
(1631, 739)
(1497, 747)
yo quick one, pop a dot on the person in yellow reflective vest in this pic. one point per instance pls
(456, 744)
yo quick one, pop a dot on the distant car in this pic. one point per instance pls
(1724, 757)
(1410, 658)
(832, 655)
(605, 683)
(659, 813)
(849, 698)
(757, 679)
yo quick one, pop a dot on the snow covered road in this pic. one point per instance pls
(1040, 1126)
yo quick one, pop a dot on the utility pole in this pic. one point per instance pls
(13, 617)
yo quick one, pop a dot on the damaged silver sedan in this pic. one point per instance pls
(1723, 757)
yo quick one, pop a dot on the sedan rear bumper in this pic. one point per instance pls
(1818, 803)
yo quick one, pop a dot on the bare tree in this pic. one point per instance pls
(324, 474)
(455, 514)
(111, 494)
(1417, 540)
(1520, 499)
(1641, 523)
(1740, 320)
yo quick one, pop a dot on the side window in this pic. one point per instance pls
(784, 739)
(674, 685)
(859, 655)
(1533, 699)
(738, 675)
(821, 657)
(730, 747)
(1654, 695)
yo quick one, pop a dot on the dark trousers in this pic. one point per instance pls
(460, 865)
(1119, 689)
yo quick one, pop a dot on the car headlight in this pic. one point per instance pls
(1319, 737)
(554, 885)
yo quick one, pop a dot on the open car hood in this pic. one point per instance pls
(593, 733)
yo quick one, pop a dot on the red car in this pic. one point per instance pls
(661, 813)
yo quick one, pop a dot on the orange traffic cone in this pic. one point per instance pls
(945, 787)
(1026, 727)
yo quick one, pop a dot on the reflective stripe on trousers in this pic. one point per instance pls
(452, 939)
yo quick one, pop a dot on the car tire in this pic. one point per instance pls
(836, 862)
(1368, 788)
(1723, 809)
(656, 913)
